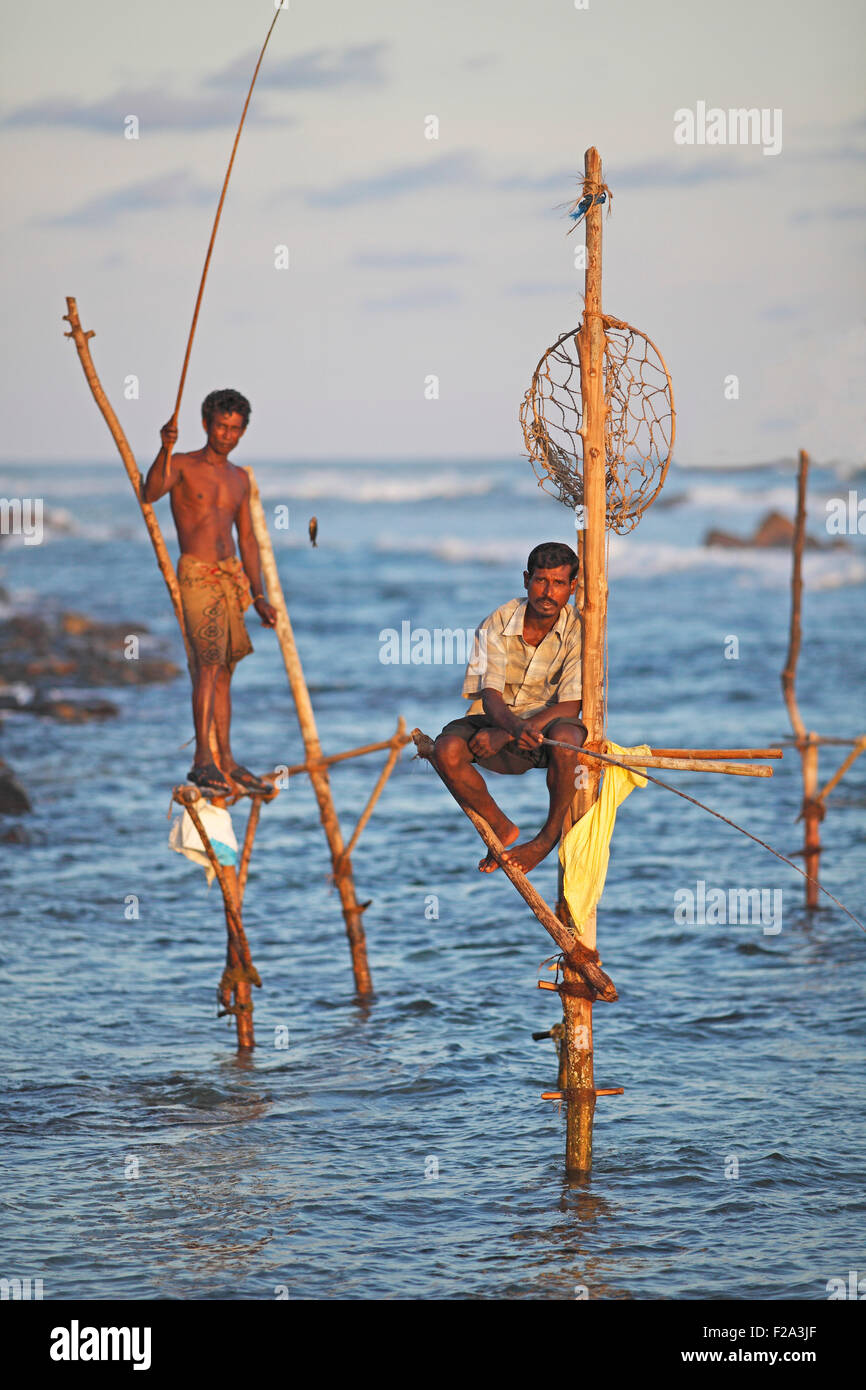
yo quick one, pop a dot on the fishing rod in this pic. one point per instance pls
(216, 223)
(606, 758)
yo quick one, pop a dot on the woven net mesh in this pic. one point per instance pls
(640, 422)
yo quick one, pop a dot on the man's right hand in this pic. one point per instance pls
(488, 742)
(168, 435)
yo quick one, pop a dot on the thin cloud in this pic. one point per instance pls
(659, 173)
(356, 65)
(444, 171)
(155, 107)
(830, 212)
(173, 190)
(675, 173)
(414, 299)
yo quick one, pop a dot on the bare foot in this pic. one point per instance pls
(525, 857)
(489, 863)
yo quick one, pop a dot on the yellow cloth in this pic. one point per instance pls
(585, 851)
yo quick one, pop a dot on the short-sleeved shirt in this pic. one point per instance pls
(530, 678)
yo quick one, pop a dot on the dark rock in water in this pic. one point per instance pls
(13, 798)
(74, 711)
(77, 650)
(775, 531)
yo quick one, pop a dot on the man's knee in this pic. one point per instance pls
(452, 752)
(205, 674)
(567, 731)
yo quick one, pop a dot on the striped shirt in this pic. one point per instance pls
(528, 677)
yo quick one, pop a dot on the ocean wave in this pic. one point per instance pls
(631, 559)
(350, 485)
(60, 524)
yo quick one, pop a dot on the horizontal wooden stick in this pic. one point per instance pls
(716, 752)
(701, 765)
(396, 741)
(590, 1091)
(637, 760)
(816, 739)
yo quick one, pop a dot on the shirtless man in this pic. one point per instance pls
(209, 496)
(525, 677)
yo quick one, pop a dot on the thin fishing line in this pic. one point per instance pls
(606, 758)
(216, 223)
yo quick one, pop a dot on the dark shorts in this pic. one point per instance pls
(510, 759)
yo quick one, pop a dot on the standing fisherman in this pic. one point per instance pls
(209, 496)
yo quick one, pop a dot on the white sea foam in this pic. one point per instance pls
(364, 485)
(631, 559)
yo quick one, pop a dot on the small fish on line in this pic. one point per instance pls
(314, 531)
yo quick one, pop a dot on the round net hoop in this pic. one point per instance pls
(639, 427)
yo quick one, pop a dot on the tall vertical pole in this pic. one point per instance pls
(576, 998)
(812, 811)
(343, 877)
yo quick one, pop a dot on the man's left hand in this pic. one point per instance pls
(267, 614)
(530, 736)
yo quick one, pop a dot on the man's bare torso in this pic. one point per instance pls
(205, 502)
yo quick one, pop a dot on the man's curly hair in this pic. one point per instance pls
(225, 402)
(550, 555)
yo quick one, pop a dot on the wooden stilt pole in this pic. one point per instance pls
(812, 815)
(81, 340)
(577, 1005)
(240, 973)
(239, 963)
(813, 810)
(342, 863)
(246, 852)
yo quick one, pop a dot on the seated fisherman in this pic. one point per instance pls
(524, 677)
(209, 496)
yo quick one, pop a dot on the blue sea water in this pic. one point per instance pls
(400, 1149)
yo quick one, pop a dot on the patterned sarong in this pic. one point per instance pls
(214, 595)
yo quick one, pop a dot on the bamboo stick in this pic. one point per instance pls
(817, 739)
(795, 633)
(377, 791)
(250, 835)
(80, 338)
(396, 741)
(242, 981)
(240, 968)
(239, 962)
(215, 227)
(577, 1012)
(637, 760)
(318, 773)
(812, 810)
(860, 747)
(716, 752)
(578, 951)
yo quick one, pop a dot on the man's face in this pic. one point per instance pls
(224, 431)
(549, 590)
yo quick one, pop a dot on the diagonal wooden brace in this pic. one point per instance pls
(580, 957)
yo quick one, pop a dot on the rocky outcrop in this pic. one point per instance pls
(775, 531)
(14, 800)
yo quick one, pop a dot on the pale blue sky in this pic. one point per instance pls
(412, 256)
